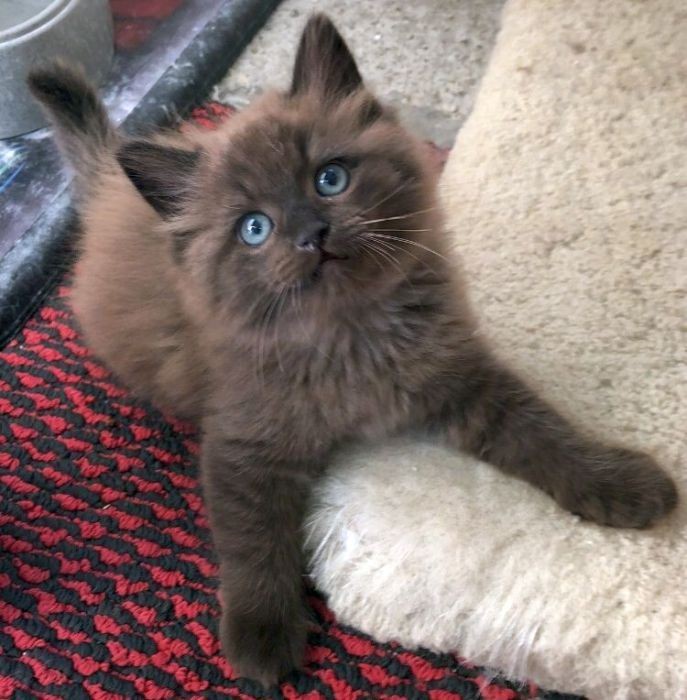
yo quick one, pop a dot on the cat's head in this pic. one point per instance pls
(314, 196)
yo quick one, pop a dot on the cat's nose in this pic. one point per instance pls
(312, 236)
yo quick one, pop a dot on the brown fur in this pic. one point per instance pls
(282, 357)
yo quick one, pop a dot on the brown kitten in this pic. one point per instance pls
(284, 282)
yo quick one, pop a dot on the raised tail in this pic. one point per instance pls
(82, 128)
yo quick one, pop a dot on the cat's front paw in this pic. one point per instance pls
(262, 646)
(622, 488)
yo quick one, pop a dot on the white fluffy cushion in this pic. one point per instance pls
(567, 195)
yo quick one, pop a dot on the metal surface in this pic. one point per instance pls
(149, 87)
(34, 31)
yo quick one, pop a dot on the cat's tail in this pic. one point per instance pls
(82, 128)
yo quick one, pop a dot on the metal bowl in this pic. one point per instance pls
(34, 31)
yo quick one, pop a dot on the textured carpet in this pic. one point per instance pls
(107, 576)
(567, 197)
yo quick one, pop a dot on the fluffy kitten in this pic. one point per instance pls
(283, 281)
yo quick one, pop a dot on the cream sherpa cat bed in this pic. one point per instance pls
(567, 196)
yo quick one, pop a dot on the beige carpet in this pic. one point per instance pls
(567, 197)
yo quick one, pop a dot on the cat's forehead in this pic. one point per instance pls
(287, 136)
(273, 149)
(277, 145)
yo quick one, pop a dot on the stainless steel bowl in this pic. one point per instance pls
(34, 31)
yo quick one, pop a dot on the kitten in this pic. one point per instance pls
(284, 282)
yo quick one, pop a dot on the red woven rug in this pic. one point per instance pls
(107, 576)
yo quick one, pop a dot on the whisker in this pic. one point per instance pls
(298, 306)
(262, 335)
(409, 242)
(388, 256)
(403, 185)
(275, 336)
(393, 246)
(372, 252)
(259, 375)
(401, 216)
(400, 230)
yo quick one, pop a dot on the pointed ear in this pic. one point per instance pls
(324, 63)
(160, 173)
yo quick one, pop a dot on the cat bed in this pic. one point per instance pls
(566, 197)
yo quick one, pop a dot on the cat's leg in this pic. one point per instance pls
(493, 415)
(256, 505)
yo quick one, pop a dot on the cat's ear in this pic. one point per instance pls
(160, 173)
(324, 63)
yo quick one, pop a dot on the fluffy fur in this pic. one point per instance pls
(566, 193)
(347, 323)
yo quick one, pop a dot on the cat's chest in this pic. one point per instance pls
(363, 376)
(357, 377)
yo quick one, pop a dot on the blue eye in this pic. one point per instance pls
(332, 179)
(254, 228)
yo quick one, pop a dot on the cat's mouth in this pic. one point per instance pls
(326, 257)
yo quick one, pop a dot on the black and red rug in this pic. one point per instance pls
(107, 576)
